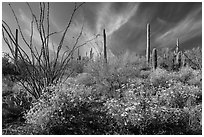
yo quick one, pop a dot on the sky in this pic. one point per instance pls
(125, 25)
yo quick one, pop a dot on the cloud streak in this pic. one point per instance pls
(112, 21)
(186, 29)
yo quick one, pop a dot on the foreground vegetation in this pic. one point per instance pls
(54, 93)
(119, 98)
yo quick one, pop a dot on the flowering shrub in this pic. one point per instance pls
(180, 96)
(148, 115)
(70, 109)
(158, 77)
(164, 112)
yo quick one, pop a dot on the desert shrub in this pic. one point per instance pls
(77, 66)
(179, 96)
(146, 117)
(167, 62)
(159, 77)
(187, 75)
(85, 79)
(15, 105)
(164, 113)
(195, 119)
(109, 77)
(194, 58)
(8, 68)
(196, 81)
(70, 109)
(7, 85)
(144, 74)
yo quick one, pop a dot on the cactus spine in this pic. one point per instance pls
(105, 49)
(148, 45)
(154, 58)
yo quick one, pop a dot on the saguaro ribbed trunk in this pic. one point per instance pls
(16, 47)
(148, 45)
(91, 53)
(79, 57)
(177, 46)
(154, 58)
(105, 49)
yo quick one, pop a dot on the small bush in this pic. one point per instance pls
(195, 119)
(158, 77)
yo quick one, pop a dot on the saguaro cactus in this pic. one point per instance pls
(79, 57)
(183, 60)
(91, 53)
(105, 49)
(154, 58)
(148, 45)
(16, 47)
(177, 46)
(178, 59)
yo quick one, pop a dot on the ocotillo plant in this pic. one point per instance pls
(105, 49)
(148, 45)
(154, 58)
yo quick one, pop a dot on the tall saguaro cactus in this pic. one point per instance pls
(154, 58)
(148, 45)
(79, 57)
(177, 46)
(183, 60)
(178, 59)
(16, 47)
(105, 49)
(91, 53)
